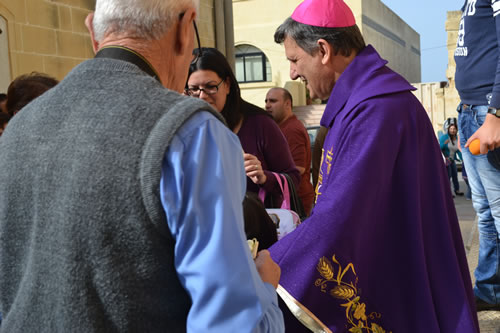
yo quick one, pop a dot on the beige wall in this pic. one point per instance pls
(393, 38)
(451, 94)
(205, 23)
(45, 36)
(440, 99)
(50, 36)
(431, 95)
(4, 55)
(255, 22)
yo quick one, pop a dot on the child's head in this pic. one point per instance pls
(258, 224)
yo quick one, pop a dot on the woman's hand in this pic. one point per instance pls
(253, 169)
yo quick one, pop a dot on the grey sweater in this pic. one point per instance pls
(84, 243)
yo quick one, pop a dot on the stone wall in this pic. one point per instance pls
(50, 36)
(45, 36)
(441, 99)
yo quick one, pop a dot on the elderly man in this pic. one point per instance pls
(382, 250)
(120, 200)
(279, 103)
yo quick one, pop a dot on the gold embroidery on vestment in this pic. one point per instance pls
(327, 158)
(357, 318)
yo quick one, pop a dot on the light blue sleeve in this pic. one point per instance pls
(202, 189)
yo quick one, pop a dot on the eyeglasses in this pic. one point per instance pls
(196, 55)
(209, 90)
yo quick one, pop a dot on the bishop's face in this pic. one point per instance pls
(312, 69)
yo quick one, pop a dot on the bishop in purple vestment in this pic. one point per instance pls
(382, 250)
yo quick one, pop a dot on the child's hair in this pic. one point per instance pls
(258, 224)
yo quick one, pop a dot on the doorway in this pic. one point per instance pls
(4, 56)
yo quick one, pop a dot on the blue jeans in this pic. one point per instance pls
(484, 181)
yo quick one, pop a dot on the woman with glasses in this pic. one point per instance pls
(265, 148)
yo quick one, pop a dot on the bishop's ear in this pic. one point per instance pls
(326, 50)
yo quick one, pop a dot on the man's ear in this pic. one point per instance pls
(325, 50)
(185, 32)
(88, 23)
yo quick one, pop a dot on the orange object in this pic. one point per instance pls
(474, 147)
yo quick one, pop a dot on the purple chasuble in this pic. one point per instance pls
(382, 249)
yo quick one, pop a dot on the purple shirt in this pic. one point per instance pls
(260, 136)
(383, 245)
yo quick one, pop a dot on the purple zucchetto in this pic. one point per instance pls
(324, 13)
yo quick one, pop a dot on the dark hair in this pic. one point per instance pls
(26, 88)
(4, 118)
(258, 224)
(287, 96)
(211, 59)
(454, 137)
(343, 40)
(3, 97)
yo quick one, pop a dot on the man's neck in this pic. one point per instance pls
(288, 116)
(151, 50)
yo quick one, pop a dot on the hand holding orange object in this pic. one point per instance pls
(474, 147)
(488, 134)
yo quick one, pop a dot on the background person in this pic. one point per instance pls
(258, 223)
(4, 119)
(279, 103)
(120, 204)
(3, 102)
(449, 146)
(265, 149)
(26, 88)
(478, 84)
(382, 250)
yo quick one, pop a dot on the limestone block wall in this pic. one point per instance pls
(451, 94)
(45, 36)
(206, 23)
(50, 36)
(440, 99)
(431, 95)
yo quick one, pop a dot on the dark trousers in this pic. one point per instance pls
(452, 173)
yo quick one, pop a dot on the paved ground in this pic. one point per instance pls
(489, 321)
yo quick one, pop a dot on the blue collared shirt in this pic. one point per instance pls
(202, 188)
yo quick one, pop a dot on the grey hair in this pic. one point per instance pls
(145, 19)
(343, 40)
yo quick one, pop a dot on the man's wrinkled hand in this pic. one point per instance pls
(268, 270)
